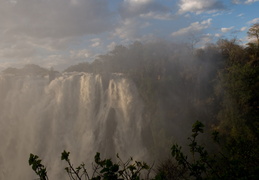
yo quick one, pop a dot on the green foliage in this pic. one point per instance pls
(240, 101)
(65, 155)
(104, 169)
(169, 170)
(237, 160)
(253, 32)
(238, 90)
(232, 51)
(200, 164)
(234, 160)
(37, 167)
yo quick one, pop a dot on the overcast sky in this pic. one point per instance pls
(59, 33)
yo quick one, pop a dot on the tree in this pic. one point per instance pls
(232, 51)
(234, 160)
(253, 32)
(253, 47)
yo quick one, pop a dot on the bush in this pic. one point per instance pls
(104, 169)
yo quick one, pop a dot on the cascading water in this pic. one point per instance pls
(77, 112)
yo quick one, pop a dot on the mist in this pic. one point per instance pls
(135, 100)
(129, 77)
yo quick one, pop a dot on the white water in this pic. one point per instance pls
(78, 112)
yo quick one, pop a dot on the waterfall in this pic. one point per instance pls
(77, 112)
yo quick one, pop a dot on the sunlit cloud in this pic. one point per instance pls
(193, 28)
(144, 8)
(111, 46)
(96, 42)
(199, 6)
(56, 18)
(37, 31)
(225, 30)
(204, 40)
(128, 29)
(243, 28)
(244, 1)
(256, 20)
(217, 35)
(158, 16)
(80, 54)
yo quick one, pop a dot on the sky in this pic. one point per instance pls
(60, 33)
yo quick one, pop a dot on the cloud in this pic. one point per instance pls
(55, 18)
(111, 46)
(193, 28)
(236, 1)
(244, 1)
(158, 16)
(217, 14)
(243, 29)
(199, 6)
(128, 29)
(250, 1)
(137, 1)
(204, 40)
(81, 54)
(35, 31)
(144, 8)
(225, 30)
(217, 35)
(96, 42)
(137, 15)
(18, 50)
(256, 20)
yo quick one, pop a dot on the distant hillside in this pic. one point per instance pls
(30, 69)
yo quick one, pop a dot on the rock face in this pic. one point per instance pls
(78, 112)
